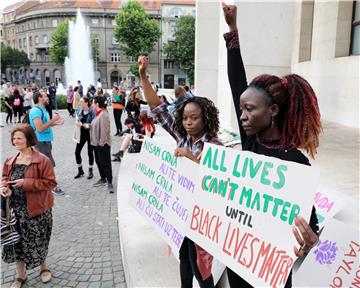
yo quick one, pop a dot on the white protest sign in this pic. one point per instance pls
(334, 262)
(245, 208)
(158, 190)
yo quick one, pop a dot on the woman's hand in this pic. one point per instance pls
(78, 123)
(183, 152)
(230, 16)
(16, 183)
(308, 238)
(143, 62)
(5, 191)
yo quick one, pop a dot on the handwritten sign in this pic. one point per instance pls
(335, 261)
(159, 189)
(245, 208)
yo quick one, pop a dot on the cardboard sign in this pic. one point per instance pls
(245, 208)
(158, 191)
(335, 261)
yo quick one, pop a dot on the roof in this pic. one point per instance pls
(31, 5)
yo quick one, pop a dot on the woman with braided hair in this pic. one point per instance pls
(276, 117)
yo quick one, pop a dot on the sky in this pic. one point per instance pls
(4, 3)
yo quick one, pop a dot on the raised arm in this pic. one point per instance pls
(235, 65)
(150, 95)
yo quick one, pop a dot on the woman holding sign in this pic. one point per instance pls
(276, 117)
(196, 121)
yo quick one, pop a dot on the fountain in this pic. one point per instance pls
(79, 65)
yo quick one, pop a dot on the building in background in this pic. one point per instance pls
(28, 26)
(315, 39)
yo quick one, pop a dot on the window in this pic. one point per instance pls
(114, 41)
(24, 42)
(172, 30)
(45, 39)
(36, 40)
(95, 21)
(54, 22)
(131, 60)
(176, 12)
(113, 22)
(19, 43)
(168, 64)
(115, 57)
(355, 33)
(32, 56)
(30, 41)
(193, 13)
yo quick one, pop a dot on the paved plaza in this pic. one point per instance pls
(85, 247)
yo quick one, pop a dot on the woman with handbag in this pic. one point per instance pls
(27, 180)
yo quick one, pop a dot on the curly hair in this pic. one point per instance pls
(299, 116)
(209, 113)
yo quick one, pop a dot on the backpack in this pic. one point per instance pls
(16, 102)
(26, 119)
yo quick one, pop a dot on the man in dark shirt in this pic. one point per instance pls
(52, 94)
(80, 88)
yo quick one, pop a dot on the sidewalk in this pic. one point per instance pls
(144, 253)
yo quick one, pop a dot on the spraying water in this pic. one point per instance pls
(79, 65)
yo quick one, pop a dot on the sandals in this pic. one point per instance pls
(45, 275)
(18, 282)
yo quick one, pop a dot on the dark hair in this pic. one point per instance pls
(76, 88)
(165, 99)
(16, 93)
(129, 121)
(86, 100)
(36, 96)
(209, 113)
(31, 139)
(299, 116)
(101, 101)
(186, 88)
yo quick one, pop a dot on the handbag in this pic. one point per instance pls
(9, 235)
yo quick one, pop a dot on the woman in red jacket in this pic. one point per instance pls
(27, 179)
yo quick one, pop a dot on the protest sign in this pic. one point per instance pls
(159, 188)
(334, 261)
(245, 208)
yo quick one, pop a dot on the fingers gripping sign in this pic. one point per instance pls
(230, 15)
(306, 238)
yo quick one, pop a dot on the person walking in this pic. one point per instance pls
(8, 99)
(27, 180)
(81, 89)
(69, 100)
(84, 116)
(76, 98)
(101, 140)
(28, 99)
(276, 117)
(17, 105)
(42, 124)
(118, 103)
(52, 94)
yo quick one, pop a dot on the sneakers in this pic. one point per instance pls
(110, 188)
(100, 182)
(58, 191)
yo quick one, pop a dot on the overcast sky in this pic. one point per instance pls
(4, 3)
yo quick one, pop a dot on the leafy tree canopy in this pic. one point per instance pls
(59, 43)
(182, 50)
(11, 57)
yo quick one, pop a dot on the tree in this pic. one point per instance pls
(135, 32)
(11, 57)
(59, 43)
(182, 50)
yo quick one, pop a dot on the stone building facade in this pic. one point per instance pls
(28, 26)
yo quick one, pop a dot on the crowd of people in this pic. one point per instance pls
(276, 117)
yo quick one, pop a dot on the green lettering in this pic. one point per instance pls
(246, 162)
(256, 201)
(223, 187)
(265, 173)
(213, 185)
(207, 159)
(254, 170)
(295, 211)
(214, 165)
(267, 198)
(233, 188)
(277, 202)
(280, 171)
(246, 193)
(284, 211)
(222, 167)
(236, 173)
(206, 178)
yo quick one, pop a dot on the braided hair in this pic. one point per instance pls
(299, 115)
(209, 114)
